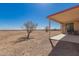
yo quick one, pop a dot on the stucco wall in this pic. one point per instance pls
(76, 26)
(63, 28)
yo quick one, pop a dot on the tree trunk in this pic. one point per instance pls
(28, 35)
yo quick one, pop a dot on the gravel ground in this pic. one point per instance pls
(12, 43)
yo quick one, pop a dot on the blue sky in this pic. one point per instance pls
(14, 15)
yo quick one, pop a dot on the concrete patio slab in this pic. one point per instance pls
(65, 45)
(66, 37)
(58, 37)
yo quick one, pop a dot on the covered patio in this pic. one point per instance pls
(66, 43)
(69, 20)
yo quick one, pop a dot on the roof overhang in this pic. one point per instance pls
(66, 16)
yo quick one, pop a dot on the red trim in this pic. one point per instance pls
(63, 11)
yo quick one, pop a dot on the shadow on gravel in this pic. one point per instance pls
(21, 39)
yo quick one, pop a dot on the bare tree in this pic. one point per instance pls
(30, 26)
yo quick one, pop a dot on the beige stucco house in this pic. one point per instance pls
(69, 20)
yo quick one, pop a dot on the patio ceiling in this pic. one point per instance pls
(66, 16)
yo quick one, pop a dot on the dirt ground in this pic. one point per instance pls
(12, 43)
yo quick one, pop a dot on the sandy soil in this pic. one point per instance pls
(12, 43)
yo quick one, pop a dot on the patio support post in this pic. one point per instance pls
(50, 33)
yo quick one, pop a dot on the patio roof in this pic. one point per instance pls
(66, 16)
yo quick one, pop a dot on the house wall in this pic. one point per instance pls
(76, 26)
(63, 27)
